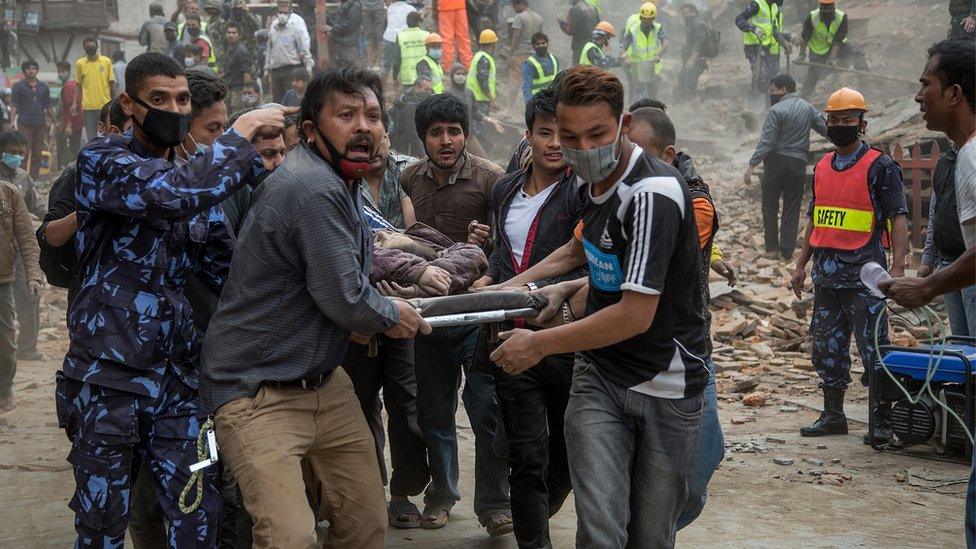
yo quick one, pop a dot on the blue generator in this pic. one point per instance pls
(949, 367)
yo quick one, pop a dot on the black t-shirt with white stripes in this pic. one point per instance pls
(641, 236)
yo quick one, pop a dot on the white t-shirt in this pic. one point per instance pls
(966, 191)
(396, 19)
(521, 214)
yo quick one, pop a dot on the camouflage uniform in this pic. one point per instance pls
(128, 389)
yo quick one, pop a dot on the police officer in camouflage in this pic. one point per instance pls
(128, 388)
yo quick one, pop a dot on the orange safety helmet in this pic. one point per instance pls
(605, 26)
(433, 38)
(846, 99)
(826, 2)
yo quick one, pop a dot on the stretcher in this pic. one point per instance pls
(478, 308)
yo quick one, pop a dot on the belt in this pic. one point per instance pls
(304, 383)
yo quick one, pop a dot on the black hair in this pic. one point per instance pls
(155, 9)
(539, 36)
(957, 65)
(253, 85)
(192, 50)
(117, 116)
(691, 7)
(233, 24)
(103, 113)
(12, 137)
(659, 122)
(29, 63)
(342, 80)
(89, 39)
(118, 55)
(520, 2)
(205, 90)
(647, 102)
(300, 74)
(233, 117)
(784, 81)
(540, 106)
(442, 107)
(146, 65)
(194, 17)
(414, 18)
(62, 64)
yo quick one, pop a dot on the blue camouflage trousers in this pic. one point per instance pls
(837, 313)
(111, 431)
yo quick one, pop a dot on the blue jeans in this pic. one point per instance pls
(711, 451)
(440, 358)
(630, 458)
(961, 307)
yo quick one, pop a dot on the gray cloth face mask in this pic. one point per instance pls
(594, 165)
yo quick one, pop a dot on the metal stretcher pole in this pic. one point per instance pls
(483, 317)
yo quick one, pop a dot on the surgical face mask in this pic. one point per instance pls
(250, 99)
(843, 136)
(282, 19)
(434, 53)
(595, 165)
(12, 160)
(189, 61)
(460, 78)
(163, 128)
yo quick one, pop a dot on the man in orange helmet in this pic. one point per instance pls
(858, 205)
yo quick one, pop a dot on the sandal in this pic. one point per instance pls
(404, 514)
(436, 515)
(499, 523)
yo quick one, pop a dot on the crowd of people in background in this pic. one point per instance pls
(239, 230)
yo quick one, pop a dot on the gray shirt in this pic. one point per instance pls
(786, 130)
(298, 285)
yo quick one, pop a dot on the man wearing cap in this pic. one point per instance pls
(857, 210)
(644, 43)
(597, 50)
(482, 73)
(825, 34)
(429, 65)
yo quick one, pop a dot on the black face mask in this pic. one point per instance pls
(826, 16)
(194, 32)
(843, 136)
(163, 128)
(774, 98)
(91, 51)
(348, 170)
(542, 52)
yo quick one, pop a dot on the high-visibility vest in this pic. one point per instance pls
(182, 26)
(412, 49)
(436, 73)
(642, 49)
(843, 213)
(542, 78)
(763, 19)
(212, 58)
(822, 38)
(585, 54)
(595, 4)
(777, 28)
(473, 85)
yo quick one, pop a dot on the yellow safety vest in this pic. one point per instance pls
(542, 79)
(643, 48)
(473, 84)
(436, 74)
(822, 38)
(763, 19)
(584, 55)
(212, 58)
(777, 28)
(412, 50)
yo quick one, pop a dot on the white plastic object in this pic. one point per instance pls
(872, 275)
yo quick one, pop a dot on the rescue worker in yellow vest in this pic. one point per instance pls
(597, 51)
(482, 73)
(193, 31)
(539, 70)
(643, 44)
(410, 49)
(761, 23)
(825, 35)
(429, 66)
(858, 208)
